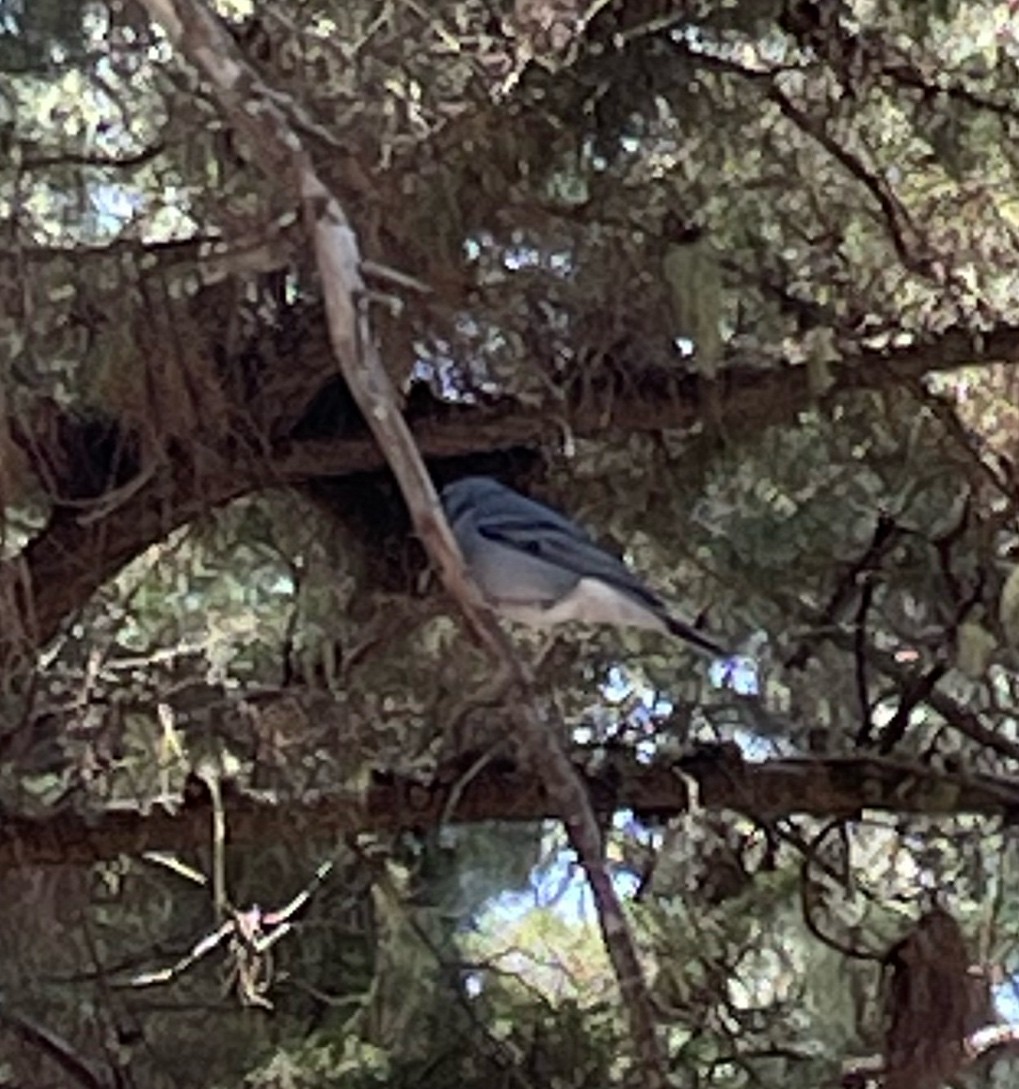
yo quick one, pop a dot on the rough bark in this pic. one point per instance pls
(831, 787)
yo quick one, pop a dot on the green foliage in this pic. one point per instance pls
(36, 33)
(206, 577)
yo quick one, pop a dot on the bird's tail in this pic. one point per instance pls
(704, 643)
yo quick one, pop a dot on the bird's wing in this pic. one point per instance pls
(500, 504)
(554, 546)
(565, 545)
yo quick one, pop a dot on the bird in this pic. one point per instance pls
(536, 566)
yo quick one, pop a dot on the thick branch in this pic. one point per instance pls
(831, 787)
(250, 107)
(67, 562)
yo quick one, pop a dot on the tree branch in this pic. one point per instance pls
(767, 791)
(67, 562)
(256, 113)
(54, 1047)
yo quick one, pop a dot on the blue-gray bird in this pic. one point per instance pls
(535, 566)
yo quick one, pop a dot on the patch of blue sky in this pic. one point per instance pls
(1006, 1000)
(560, 886)
(114, 206)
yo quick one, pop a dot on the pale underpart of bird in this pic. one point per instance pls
(537, 567)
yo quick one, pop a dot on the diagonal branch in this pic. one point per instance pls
(900, 230)
(903, 235)
(196, 32)
(48, 1043)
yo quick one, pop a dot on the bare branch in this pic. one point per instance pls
(53, 1046)
(255, 111)
(766, 792)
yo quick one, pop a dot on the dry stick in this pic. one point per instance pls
(255, 112)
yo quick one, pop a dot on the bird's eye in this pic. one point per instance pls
(532, 546)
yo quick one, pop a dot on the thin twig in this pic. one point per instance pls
(54, 1046)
